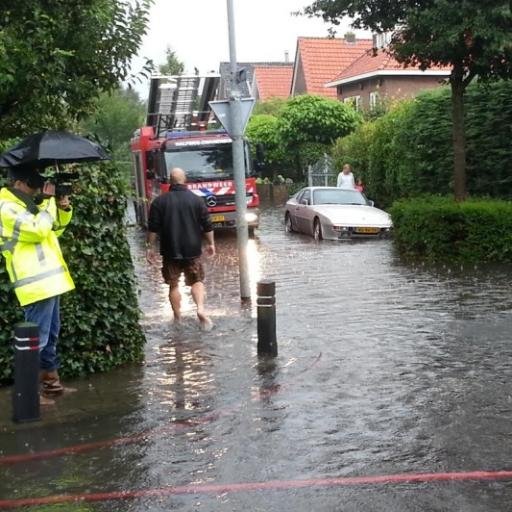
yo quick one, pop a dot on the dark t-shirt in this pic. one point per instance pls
(180, 218)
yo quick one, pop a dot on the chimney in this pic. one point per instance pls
(287, 56)
(350, 37)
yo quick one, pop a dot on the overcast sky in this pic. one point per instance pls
(197, 31)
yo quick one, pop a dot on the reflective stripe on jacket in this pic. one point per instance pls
(31, 250)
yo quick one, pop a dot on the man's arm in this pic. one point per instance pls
(210, 243)
(151, 254)
(206, 225)
(154, 227)
(64, 214)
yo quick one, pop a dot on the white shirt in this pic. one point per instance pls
(346, 181)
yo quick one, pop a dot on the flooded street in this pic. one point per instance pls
(384, 368)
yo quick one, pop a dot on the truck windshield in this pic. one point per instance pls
(205, 163)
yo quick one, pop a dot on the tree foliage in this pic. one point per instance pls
(272, 107)
(117, 115)
(172, 65)
(262, 131)
(308, 125)
(56, 57)
(313, 119)
(473, 37)
(353, 150)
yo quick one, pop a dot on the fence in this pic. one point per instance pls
(322, 173)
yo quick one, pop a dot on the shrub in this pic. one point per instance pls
(100, 327)
(408, 151)
(262, 129)
(313, 119)
(439, 229)
(354, 150)
(385, 154)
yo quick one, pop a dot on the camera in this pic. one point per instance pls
(63, 183)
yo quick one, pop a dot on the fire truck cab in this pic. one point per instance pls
(177, 137)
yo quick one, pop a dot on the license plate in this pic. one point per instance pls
(367, 230)
(218, 218)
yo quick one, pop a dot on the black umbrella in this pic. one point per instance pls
(51, 147)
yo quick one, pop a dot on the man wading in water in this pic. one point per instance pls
(181, 220)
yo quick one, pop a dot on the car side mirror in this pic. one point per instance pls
(370, 202)
(305, 201)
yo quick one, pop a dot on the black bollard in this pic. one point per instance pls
(25, 396)
(266, 303)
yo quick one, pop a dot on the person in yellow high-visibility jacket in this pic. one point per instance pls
(34, 261)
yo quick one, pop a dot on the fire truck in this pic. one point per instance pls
(179, 133)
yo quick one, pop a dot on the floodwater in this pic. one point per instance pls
(384, 368)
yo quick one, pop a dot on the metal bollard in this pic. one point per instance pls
(25, 396)
(266, 303)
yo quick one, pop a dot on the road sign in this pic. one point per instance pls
(221, 111)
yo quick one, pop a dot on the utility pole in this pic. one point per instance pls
(242, 233)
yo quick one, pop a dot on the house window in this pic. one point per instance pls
(355, 101)
(374, 100)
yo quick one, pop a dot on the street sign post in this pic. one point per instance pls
(221, 109)
(236, 131)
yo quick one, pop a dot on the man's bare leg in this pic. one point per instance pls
(197, 291)
(175, 298)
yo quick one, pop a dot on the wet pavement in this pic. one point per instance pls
(384, 368)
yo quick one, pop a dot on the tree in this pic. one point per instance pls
(473, 37)
(118, 114)
(172, 66)
(57, 57)
(262, 131)
(310, 118)
(272, 106)
(309, 124)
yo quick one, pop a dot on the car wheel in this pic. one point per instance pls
(317, 230)
(288, 226)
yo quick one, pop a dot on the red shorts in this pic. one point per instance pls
(193, 270)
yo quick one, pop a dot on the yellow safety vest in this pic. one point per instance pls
(31, 250)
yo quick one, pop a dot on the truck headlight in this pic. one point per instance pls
(251, 217)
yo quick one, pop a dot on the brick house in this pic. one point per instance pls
(319, 59)
(376, 76)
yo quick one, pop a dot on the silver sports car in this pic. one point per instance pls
(333, 214)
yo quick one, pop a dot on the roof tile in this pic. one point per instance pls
(324, 58)
(371, 61)
(273, 81)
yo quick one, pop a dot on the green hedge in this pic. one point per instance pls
(100, 328)
(439, 229)
(353, 150)
(409, 150)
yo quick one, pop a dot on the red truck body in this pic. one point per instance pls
(206, 157)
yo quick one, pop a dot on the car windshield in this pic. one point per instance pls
(206, 163)
(338, 196)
